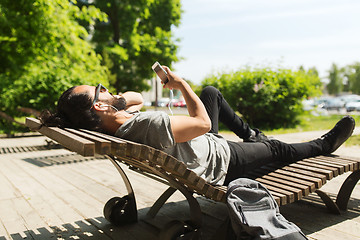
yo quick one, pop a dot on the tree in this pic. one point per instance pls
(313, 71)
(352, 73)
(137, 34)
(267, 98)
(335, 86)
(43, 51)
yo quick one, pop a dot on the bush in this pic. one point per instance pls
(267, 98)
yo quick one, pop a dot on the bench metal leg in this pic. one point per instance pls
(123, 175)
(160, 202)
(187, 230)
(174, 229)
(120, 211)
(330, 204)
(346, 190)
(343, 196)
(195, 211)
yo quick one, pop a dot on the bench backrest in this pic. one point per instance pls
(139, 156)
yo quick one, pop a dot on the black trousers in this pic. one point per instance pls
(246, 156)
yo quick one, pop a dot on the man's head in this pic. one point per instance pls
(82, 107)
(103, 100)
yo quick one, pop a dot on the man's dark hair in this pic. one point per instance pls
(73, 110)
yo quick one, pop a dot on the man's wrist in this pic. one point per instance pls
(182, 84)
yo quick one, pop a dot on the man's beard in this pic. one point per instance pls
(118, 103)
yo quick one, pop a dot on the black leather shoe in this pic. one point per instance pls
(338, 135)
(257, 137)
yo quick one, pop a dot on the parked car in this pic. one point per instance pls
(321, 101)
(315, 107)
(350, 98)
(353, 106)
(334, 104)
(180, 103)
(177, 103)
(162, 102)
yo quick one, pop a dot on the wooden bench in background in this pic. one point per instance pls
(287, 183)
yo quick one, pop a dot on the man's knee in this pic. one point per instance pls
(209, 91)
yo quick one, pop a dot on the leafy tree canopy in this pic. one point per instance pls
(344, 79)
(43, 51)
(352, 75)
(335, 85)
(137, 33)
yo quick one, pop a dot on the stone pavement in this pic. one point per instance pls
(55, 194)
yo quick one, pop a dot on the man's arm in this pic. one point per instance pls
(134, 101)
(185, 128)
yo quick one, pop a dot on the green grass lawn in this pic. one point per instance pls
(312, 123)
(353, 140)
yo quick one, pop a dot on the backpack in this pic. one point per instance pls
(255, 215)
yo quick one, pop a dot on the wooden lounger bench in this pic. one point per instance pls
(287, 183)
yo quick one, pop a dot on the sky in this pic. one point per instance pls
(227, 35)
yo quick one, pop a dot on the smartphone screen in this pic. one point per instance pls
(160, 72)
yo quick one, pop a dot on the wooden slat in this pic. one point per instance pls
(282, 199)
(117, 144)
(354, 162)
(332, 170)
(329, 174)
(338, 168)
(69, 140)
(209, 191)
(102, 146)
(277, 187)
(289, 196)
(306, 173)
(289, 172)
(304, 188)
(133, 150)
(286, 196)
(286, 180)
(339, 164)
(309, 185)
(351, 164)
(220, 193)
(189, 178)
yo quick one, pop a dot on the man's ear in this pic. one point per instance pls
(99, 106)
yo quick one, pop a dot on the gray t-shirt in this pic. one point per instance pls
(207, 155)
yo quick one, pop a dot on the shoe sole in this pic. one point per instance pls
(346, 137)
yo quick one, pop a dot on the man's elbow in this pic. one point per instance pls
(207, 126)
(139, 98)
(203, 126)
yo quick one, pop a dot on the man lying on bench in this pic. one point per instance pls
(192, 139)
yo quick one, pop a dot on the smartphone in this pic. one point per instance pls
(160, 72)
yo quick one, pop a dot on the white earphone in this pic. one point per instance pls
(106, 105)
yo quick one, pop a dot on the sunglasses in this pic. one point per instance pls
(99, 88)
